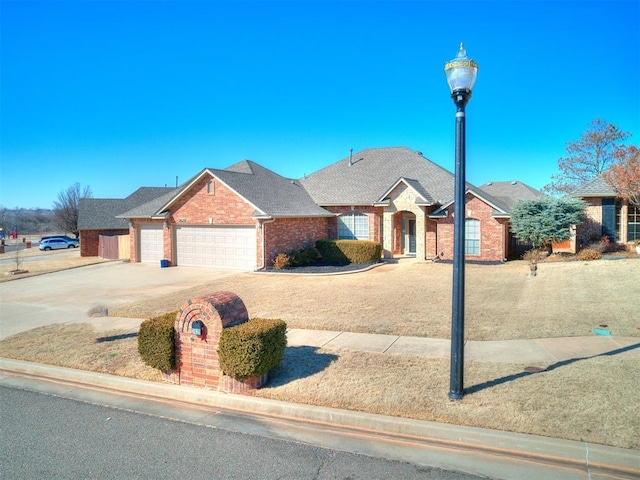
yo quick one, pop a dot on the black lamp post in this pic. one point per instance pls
(461, 75)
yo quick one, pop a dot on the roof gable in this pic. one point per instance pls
(414, 185)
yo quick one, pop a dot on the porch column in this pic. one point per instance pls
(421, 232)
(624, 222)
(387, 234)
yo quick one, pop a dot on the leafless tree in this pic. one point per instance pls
(587, 157)
(65, 209)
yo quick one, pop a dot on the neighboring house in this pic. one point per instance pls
(97, 216)
(607, 214)
(509, 193)
(244, 215)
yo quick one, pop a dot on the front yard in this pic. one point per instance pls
(591, 400)
(503, 302)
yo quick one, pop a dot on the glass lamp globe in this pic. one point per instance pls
(461, 72)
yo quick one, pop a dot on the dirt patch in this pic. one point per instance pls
(503, 302)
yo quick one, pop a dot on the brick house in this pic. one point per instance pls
(244, 215)
(607, 214)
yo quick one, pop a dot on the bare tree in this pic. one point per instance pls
(65, 209)
(587, 157)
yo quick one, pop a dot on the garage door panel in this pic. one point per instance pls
(221, 247)
(151, 243)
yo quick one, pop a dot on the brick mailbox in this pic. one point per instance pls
(198, 326)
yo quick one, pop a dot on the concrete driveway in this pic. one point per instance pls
(69, 295)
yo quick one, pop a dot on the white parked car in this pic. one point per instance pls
(58, 243)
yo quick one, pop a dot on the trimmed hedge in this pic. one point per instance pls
(155, 342)
(349, 251)
(252, 348)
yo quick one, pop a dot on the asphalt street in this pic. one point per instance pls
(52, 437)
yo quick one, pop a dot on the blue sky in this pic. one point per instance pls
(120, 94)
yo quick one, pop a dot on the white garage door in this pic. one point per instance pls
(151, 244)
(222, 247)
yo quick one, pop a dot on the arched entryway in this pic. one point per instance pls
(405, 243)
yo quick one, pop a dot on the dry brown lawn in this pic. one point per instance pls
(592, 400)
(34, 262)
(503, 302)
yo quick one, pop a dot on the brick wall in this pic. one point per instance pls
(223, 207)
(592, 225)
(431, 239)
(290, 234)
(89, 243)
(493, 232)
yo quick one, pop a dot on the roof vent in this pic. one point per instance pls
(514, 183)
(350, 156)
(489, 183)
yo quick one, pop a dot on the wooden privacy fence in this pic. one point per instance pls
(114, 247)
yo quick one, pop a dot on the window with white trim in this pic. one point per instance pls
(353, 226)
(472, 236)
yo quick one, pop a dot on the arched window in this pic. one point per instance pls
(353, 226)
(472, 236)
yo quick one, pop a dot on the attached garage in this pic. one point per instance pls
(216, 246)
(151, 244)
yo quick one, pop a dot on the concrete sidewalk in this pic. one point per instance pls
(538, 351)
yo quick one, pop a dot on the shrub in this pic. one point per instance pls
(281, 261)
(588, 254)
(155, 342)
(298, 258)
(604, 245)
(309, 255)
(252, 348)
(349, 251)
(295, 259)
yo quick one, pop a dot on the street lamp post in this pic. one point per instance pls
(461, 75)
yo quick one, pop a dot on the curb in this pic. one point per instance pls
(566, 454)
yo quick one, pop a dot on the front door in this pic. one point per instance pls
(409, 235)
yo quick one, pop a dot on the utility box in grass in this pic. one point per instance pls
(199, 324)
